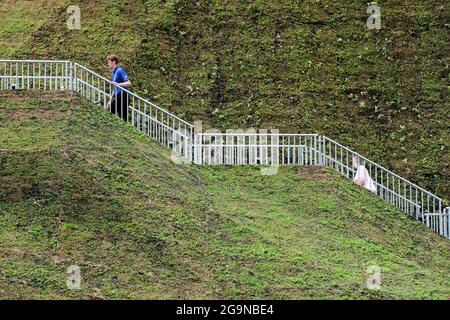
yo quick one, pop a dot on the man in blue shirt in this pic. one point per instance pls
(119, 99)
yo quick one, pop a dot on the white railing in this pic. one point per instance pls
(256, 149)
(35, 75)
(231, 148)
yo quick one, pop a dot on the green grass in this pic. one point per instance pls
(91, 191)
(299, 67)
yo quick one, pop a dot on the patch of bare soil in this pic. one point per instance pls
(41, 113)
(33, 113)
(23, 95)
(314, 172)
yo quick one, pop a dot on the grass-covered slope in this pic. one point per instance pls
(299, 66)
(80, 187)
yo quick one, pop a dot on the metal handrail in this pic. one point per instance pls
(259, 134)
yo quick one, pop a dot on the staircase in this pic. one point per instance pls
(189, 144)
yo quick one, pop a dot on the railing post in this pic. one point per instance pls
(316, 160)
(70, 76)
(319, 150)
(189, 145)
(196, 148)
(199, 146)
(447, 214)
(75, 82)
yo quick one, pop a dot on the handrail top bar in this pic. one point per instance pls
(257, 134)
(32, 77)
(34, 61)
(135, 95)
(207, 145)
(381, 167)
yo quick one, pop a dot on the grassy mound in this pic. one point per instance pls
(80, 187)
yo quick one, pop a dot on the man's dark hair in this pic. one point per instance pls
(113, 58)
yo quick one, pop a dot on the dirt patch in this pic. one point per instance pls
(314, 172)
(25, 95)
(26, 112)
(33, 113)
(10, 190)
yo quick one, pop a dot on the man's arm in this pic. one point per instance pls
(123, 84)
(108, 105)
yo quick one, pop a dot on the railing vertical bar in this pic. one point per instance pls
(17, 75)
(22, 77)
